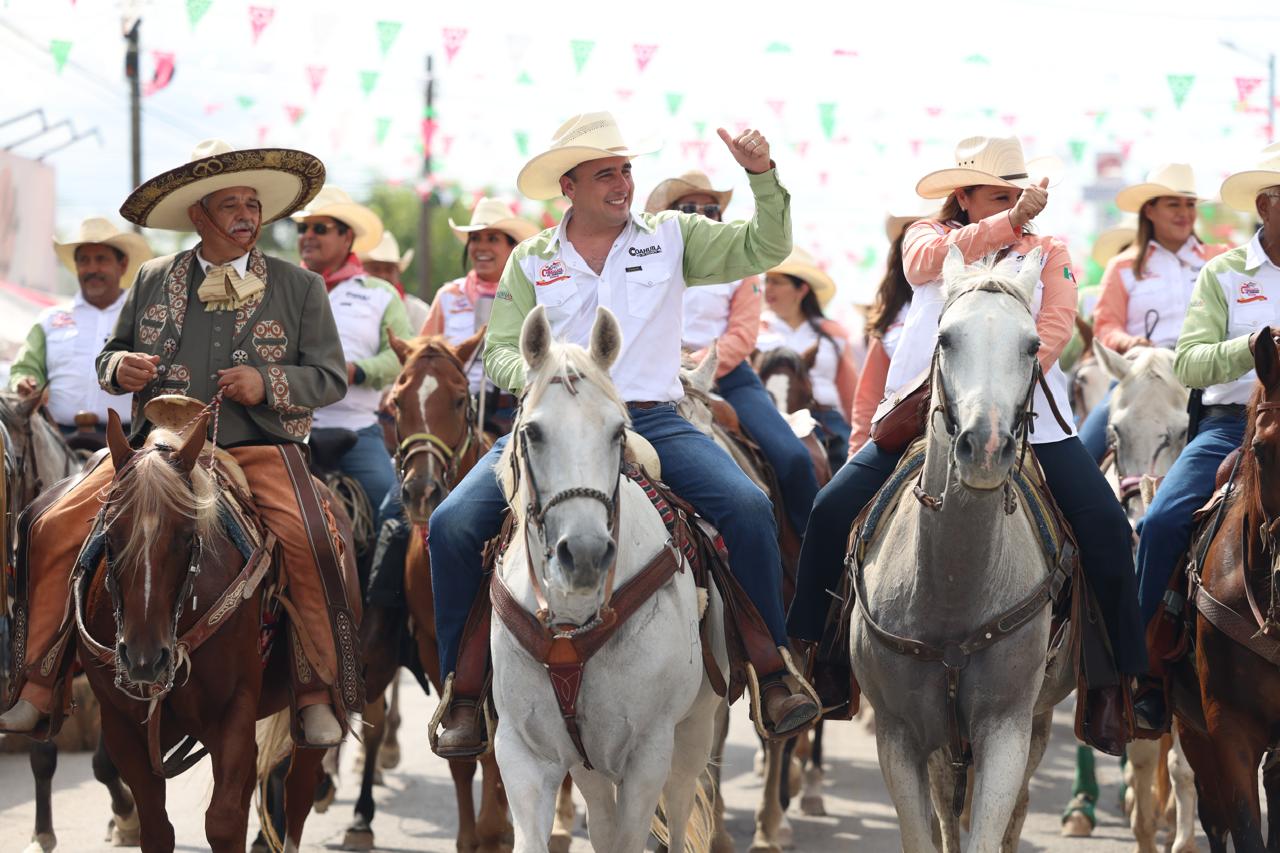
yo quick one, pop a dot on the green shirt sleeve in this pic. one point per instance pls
(1071, 352)
(381, 370)
(512, 302)
(716, 252)
(1204, 356)
(30, 362)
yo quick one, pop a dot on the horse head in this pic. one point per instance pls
(565, 458)
(698, 379)
(41, 455)
(158, 514)
(785, 374)
(986, 363)
(435, 422)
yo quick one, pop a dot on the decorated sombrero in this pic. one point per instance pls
(285, 179)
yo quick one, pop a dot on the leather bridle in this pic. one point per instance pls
(448, 457)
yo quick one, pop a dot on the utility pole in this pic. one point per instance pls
(424, 219)
(135, 99)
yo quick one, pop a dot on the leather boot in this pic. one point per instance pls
(320, 727)
(21, 719)
(463, 733)
(785, 710)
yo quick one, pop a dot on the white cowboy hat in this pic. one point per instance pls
(284, 178)
(99, 230)
(1241, 189)
(1114, 240)
(989, 161)
(586, 136)
(802, 265)
(1175, 179)
(496, 214)
(388, 252)
(334, 203)
(673, 189)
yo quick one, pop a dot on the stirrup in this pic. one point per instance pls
(446, 704)
(796, 682)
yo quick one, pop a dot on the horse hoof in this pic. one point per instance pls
(786, 835)
(759, 846)
(358, 839)
(42, 842)
(559, 843)
(1076, 825)
(813, 806)
(389, 756)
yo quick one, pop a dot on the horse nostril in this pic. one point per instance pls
(966, 447)
(122, 652)
(564, 555)
(1007, 447)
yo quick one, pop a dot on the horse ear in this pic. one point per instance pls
(535, 338)
(467, 348)
(1265, 358)
(703, 376)
(810, 356)
(398, 345)
(121, 452)
(606, 338)
(189, 452)
(1029, 275)
(954, 264)
(1113, 362)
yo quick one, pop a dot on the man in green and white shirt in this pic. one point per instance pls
(1236, 298)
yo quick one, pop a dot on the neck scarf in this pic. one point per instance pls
(348, 269)
(477, 288)
(223, 289)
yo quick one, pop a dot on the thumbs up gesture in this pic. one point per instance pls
(750, 149)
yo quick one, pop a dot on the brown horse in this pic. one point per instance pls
(438, 442)
(785, 374)
(164, 552)
(1239, 687)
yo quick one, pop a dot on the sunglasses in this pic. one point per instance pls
(711, 211)
(320, 228)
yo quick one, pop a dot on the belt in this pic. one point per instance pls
(1231, 410)
(648, 404)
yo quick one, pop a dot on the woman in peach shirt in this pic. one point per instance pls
(989, 202)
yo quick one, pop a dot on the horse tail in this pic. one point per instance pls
(701, 826)
(275, 742)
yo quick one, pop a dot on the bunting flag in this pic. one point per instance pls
(915, 146)
(453, 38)
(387, 32)
(801, 147)
(259, 18)
(581, 52)
(827, 116)
(933, 112)
(380, 128)
(701, 128)
(196, 10)
(368, 79)
(262, 135)
(674, 99)
(844, 53)
(777, 47)
(977, 59)
(623, 94)
(163, 74)
(1246, 85)
(1077, 149)
(295, 112)
(429, 127)
(59, 50)
(777, 106)
(244, 101)
(210, 109)
(522, 143)
(644, 53)
(315, 77)
(1009, 118)
(524, 79)
(1179, 86)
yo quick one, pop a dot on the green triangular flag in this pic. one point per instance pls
(196, 10)
(381, 126)
(827, 115)
(977, 59)
(700, 127)
(1179, 86)
(674, 99)
(368, 79)
(244, 101)
(868, 259)
(1149, 112)
(581, 52)
(777, 47)
(1100, 118)
(387, 32)
(59, 50)
(988, 111)
(522, 143)
(524, 79)
(1077, 149)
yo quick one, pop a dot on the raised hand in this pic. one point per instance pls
(750, 149)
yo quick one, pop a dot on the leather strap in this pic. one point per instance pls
(1237, 627)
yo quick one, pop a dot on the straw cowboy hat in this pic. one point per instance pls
(99, 230)
(802, 265)
(334, 203)
(388, 252)
(496, 214)
(672, 189)
(1175, 179)
(989, 161)
(1241, 189)
(284, 178)
(586, 136)
(899, 217)
(1114, 240)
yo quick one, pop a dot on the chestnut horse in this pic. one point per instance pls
(1239, 686)
(438, 442)
(166, 550)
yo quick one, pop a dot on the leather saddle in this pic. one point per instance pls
(329, 445)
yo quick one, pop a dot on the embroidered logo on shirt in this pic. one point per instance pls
(1067, 274)
(1250, 292)
(645, 252)
(62, 319)
(551, 273)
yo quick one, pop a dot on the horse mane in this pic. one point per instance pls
(782, 358)
(154, 489)
(993, 267)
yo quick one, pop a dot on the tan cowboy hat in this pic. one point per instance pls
(284, 178)
(989, 161)
(1241, 189)
(496, 214)
(673, 189)
(334, 203)
(802, 265)
(1175, 179)
(388, 252)
(897, 219)
(586, 136)
(1114, 240)
(99, 230)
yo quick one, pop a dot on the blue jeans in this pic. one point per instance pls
(766, 425)
(1165, 531)
(1093, 432)
(837, 427)
(692, 464)
(370, 465)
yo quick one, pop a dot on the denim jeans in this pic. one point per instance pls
(692, 464)
(766, 425)
(837, 427)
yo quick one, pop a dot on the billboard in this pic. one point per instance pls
(26, 223)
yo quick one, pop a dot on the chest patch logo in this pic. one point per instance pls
(62, 320)
(645, 252)
(1250, 292)
(551, 273)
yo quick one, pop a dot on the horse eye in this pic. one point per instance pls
(622, 434)
(944, 340)
(1033, 346)
(532, 432)
(460, 402)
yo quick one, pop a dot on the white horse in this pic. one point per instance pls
(939, 572)
(646, 708)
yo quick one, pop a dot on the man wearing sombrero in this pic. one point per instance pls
(65, 339)
(637, 265)
(384, 261)
(1236, 299)
(222, 318)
